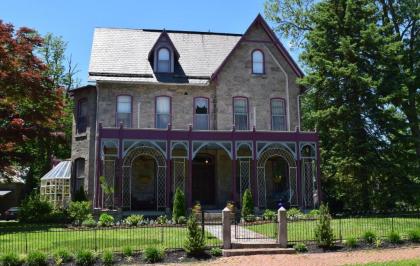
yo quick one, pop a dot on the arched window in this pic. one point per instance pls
(201, 113)
(82, 111)
(257, 62)
(278, 114)
(164, 60)
(124, 110)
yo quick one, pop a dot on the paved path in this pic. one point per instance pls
(244, 235)
(320, 259)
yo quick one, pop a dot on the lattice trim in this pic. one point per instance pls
(244, 175)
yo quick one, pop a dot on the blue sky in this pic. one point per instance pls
(75, 20)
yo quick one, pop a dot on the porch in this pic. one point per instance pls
(146, 166)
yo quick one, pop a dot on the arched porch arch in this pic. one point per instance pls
(270, 152)
(160, 160)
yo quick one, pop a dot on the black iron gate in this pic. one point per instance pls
(255, 227)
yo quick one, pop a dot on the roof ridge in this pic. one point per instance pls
(175, 31)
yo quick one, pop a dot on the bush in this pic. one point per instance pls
(35, 209)
(369, 237)
(414, 235)
(37, 258)
(127, 251)
(107, 258)
(182, 220)
(197, 208)
(106, 220)
(134, 219)
(323, 231)
(216, 252)
(394, 237)
(85, 258)
(62, 256)
(250, 218)
(294, 213)
(79, 211)
(153, 254)
(269, 215)
(194, 244)
(350, 242)
(247, 203)
(301, 247)
(89, 221)
(179, 205)
(313, 213)
(162, 219)
(10, 259)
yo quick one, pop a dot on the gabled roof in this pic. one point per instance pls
(164, 34)
(124, 54)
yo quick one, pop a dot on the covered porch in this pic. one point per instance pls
(146, 166)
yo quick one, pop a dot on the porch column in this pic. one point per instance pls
(234, 194)
(254, 169)
(298, 174)
(189, 177)
(168, 168)
(318, 172)
(119, 177)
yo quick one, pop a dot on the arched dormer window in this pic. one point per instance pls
(163, 60)
(257, 62)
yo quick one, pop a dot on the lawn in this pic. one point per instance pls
(303, 230)
(50, 239)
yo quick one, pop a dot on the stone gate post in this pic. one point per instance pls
(226, 224)
(282, 228)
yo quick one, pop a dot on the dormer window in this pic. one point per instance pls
(163, 60)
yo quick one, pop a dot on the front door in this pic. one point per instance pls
(203, 180)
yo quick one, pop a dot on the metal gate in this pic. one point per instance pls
(255, 227)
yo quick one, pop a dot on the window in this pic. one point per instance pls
(278, 114)
(164, 60)
(124, 110)
(257, 62)
(201, 113)
(163, 111)
(79, 174)
(240, 113)
(82, 116)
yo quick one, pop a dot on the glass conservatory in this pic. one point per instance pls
(55, 185)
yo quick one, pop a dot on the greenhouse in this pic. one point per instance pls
(55, 185)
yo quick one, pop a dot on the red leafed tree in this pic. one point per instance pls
(29, 103)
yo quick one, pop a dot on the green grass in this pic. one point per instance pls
(52, 239)
(414, 262)
(354, 227)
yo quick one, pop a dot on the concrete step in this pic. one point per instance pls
(254, 245)
(257, 251)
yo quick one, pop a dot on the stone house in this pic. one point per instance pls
(210, 113)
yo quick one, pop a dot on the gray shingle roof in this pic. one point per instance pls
(123, 53)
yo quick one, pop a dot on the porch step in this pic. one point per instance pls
(257, 251)
(254, 245)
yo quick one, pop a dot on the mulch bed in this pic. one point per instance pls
(339, 247)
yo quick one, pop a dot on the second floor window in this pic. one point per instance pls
(163, 111)
(164, 60)
(240, 113)
(257, 62)
(201, 113)
(82, 116)
(278, 114)
(124, 110)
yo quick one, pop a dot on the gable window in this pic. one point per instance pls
(124, 110)
(240, 113)
(201, 113)
(257, 62)
(164, 60)
(82, 108)
(163, 111)
(278, 114)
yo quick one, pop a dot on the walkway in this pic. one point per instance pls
(244, 235)
(318, 259)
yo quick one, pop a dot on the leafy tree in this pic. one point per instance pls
(247, 204)
(194, 244)
(79, 211)
(356, 92)
(179, 205)
(29, 103)
(35, 209)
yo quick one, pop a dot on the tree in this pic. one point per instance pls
(179, 205)
(352, 62)
(29, 103)
(323, 232)
(194, 244)
(247, 204)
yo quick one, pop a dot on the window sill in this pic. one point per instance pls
(81, 136)
(259, 75)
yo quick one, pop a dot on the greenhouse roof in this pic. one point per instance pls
(61, 171)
